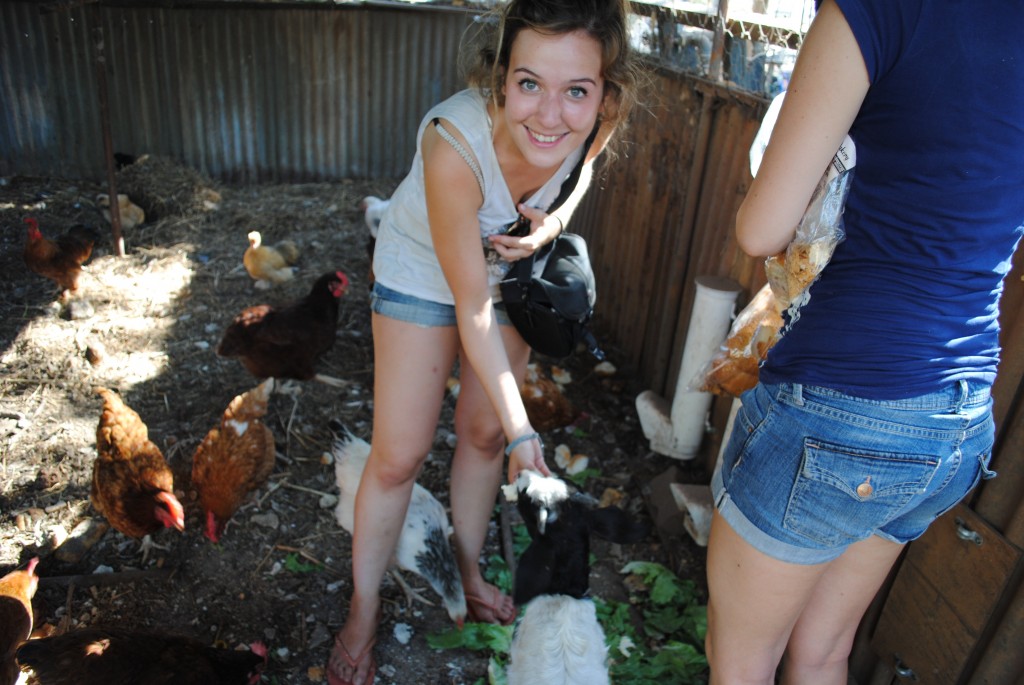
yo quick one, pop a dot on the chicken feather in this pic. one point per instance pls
(422, 546)
(235, 458)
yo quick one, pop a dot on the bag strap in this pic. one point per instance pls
(463, 152)
(568, 186)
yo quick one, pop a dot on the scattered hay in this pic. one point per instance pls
(166, 188)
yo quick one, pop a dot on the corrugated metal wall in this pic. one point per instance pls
(245, 95)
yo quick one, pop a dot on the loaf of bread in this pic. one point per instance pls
(734, 368)
(792, 272)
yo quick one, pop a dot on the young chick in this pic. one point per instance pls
(132, 486)
(422, 546)
(131, 214)
(235, 458)
(269, 265)
(16, 591)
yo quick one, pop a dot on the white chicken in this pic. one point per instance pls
(373, 208)
(422, 546)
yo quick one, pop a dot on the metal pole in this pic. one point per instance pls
(108, 145)
(718, 46)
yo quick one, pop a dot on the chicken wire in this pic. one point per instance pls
(759, 39)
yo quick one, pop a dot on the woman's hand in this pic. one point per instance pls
(544, 228)
(527, 452)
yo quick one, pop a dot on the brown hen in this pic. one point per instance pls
(235, 458)
(100, 656)
(287, 341)
(546, 405)
(131, 483)
(60, 259)
(16, 591)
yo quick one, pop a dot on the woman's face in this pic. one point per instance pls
(553, 93)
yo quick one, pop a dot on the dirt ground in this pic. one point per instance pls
(282, 572)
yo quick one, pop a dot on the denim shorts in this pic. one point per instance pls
(808, 471)
(424, 313)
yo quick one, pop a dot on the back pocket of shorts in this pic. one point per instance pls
(842, 494)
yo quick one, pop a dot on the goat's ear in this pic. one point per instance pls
(615, 525)
(534, 572)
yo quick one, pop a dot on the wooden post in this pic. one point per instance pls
(108, 145)
(718, 46)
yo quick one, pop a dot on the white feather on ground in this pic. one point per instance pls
(423, 546)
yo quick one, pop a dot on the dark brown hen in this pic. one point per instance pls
(287, 341)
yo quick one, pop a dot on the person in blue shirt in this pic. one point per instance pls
(873, 413)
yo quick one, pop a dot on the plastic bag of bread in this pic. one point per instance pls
(734, 367)
(791, 273)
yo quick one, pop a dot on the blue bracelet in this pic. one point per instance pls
(521, 439)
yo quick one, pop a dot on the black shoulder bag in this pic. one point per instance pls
(550, 295)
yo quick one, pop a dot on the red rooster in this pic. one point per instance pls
(100, 656)
(59, 260)
(287, 341)
(131, 483)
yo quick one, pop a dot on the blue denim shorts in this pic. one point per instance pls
(808, 471)
(415, 310)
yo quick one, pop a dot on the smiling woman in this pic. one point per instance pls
(550, 73)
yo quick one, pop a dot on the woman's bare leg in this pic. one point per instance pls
(819, 647)
(755, 600)
(411, 366)
(761, 608)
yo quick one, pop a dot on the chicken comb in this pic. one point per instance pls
(32, 223)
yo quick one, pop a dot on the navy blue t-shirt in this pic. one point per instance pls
(910, 299)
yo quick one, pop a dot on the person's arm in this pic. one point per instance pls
(829, 83)
(453, 200)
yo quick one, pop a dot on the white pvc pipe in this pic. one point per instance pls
(710, 319)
